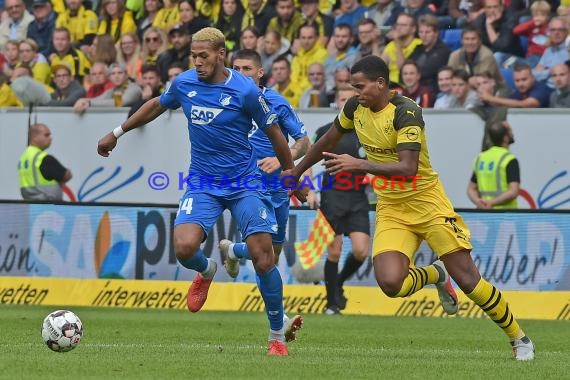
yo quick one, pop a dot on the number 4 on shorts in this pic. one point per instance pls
(185, 205)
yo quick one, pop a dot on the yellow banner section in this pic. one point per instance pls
(301, 299)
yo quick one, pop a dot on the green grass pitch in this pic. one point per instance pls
(160, 344)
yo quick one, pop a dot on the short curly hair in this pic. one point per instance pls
(211, 35)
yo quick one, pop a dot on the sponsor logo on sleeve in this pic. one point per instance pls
(263, 104)
(412, 133)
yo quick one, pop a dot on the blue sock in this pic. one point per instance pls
(259, 287)
(198, 262)
(271, 289)
(241, 251)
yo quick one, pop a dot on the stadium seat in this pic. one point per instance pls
(507, 74)
(452, 38)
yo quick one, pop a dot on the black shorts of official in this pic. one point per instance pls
(346, 211)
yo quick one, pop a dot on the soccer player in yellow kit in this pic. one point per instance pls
(412, 204)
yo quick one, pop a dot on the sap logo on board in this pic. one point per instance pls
(203, 115)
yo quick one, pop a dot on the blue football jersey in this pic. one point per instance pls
(219, 120)
(287, 119)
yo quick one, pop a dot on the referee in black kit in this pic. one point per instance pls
(345, 205)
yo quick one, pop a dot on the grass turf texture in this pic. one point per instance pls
(157, 344)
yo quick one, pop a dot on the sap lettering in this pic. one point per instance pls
(203, 115)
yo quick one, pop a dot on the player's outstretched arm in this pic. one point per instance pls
(148, 112)
(300, 147)
(315, 153)
(283, 154)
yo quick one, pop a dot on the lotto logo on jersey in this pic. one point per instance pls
(272, 119)
(203, 115)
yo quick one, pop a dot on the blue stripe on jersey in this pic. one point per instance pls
(219, 119)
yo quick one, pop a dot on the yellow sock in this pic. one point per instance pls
(418, 278)
(490, 299)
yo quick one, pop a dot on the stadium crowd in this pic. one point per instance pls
(476, 54)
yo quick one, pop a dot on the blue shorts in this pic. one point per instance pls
(280, 201)
(250, 208)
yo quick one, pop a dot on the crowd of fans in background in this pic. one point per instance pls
(479, 55)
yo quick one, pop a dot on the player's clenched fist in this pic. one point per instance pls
(290, 181)
(106, 144)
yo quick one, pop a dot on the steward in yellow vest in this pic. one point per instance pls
(41, 175)
(495, 182)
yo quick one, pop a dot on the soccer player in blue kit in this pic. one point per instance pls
(220, 104)
(248, 62)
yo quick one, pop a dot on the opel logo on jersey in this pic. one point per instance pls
(412, 133)
(203, 115)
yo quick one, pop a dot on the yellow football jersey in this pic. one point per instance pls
(80, 25)
(399, 126)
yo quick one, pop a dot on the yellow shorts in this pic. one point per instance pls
(428, 216)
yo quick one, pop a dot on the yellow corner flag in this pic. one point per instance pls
(311, 250)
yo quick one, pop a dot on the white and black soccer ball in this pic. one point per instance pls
(62, 331)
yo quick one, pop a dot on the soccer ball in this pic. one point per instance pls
(62, 331)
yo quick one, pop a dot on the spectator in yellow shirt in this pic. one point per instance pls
(257, 14)
(116, 20)
(7, 97)
(311, 51)
(65, 54)
(167, 17)
(403, 44)
(82, 24)
(58, 6)
(281, 76)
(318, 17)
(288, 20)
(29, 56)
